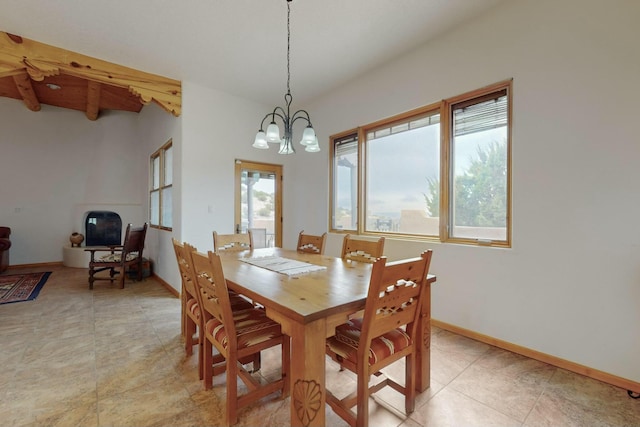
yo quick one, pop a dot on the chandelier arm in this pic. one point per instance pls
(296, 117)
(265, 118)
(299, 115)
(278, 112)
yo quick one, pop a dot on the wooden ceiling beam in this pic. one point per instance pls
(7, 70)
(23, 83)
(40, 60)
(93, 100)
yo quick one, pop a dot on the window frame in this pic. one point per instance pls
(447, 175)
(445, 109)
(427, 110)
(334, 139)
(159, 154)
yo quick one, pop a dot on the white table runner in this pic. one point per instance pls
(282, 265)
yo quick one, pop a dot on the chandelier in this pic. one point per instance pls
(273, 135)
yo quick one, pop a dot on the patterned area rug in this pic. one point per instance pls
(21, 287)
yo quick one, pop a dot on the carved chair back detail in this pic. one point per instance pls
(309, 243)
(362, 250)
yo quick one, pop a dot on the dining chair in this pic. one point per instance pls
(191, 316)
(386, 334)
(235, 335)
(232, 242)
(258, 238)
(118, 257)
(311, 244)
(362, 250)
(192, 319)
(5, 244)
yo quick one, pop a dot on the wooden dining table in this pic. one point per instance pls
(310, 297)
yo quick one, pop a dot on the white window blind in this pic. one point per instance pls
(403, 126)
(488, 113)
(345, 147)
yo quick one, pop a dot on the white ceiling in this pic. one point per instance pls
(239, 46)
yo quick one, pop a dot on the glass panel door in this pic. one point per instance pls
(259, 202)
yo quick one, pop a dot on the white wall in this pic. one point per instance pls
(156, 127)
(56, 163)
(570, 285)
(219, 128)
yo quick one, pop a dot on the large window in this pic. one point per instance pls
(402, 162)
(437, 172)
(478, 178)
(160, 193)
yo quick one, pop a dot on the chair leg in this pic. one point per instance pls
(362, 416)
(286, 365)
(208, 365)
(188, 339)
(410, 383)
(91, 279)
(201, 340)
(257, 362)
(232, 391)
(183, 310)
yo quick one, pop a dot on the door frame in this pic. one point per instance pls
(277, 199)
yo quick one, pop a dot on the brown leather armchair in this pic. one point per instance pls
(5, 244)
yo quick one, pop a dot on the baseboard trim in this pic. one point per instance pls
(170, 288)
(543, 357)
(37, 264)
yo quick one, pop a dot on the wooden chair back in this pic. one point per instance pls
(258, 238)
(191, 320)
(134, 240)
(396, 291)
(5, 244)
(362, 250)
(232, 242)
(311, 244)
(184, 267)
(208, 277)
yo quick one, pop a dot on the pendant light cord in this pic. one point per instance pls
(273, 134)
(288, 46)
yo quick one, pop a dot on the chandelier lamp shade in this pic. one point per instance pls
(280, 114)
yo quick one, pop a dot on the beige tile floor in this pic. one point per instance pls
(111, 357)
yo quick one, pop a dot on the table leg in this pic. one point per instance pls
(308, 392)
(423, 374)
